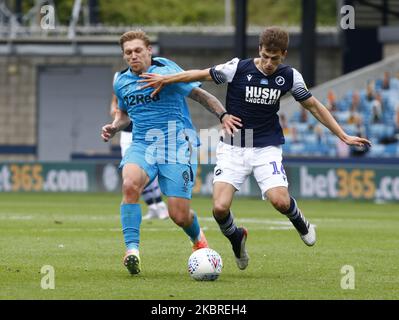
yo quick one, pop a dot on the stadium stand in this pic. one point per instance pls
(371, 112)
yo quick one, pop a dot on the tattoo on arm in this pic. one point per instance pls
(208, 101)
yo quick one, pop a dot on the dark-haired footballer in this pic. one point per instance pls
(255, 87)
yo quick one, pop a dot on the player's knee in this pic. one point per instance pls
(181, 220)
(220, 208)
(179, 213)
(131, 189)
(280, 204)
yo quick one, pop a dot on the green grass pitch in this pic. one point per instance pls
(79, 235)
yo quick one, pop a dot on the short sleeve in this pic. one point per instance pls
(115, 77)
(121, 103)
(222, 73)
(299, 89)
(183, 88)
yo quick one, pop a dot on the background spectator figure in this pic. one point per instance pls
(370, 91)
(318, 131)
(354, 115)
(386, 81)
(343, 150)
(288, 131)
(376, 109)
(331, 102)
(397, 119)
(303, 116)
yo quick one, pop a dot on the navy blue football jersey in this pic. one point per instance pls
(255, 98)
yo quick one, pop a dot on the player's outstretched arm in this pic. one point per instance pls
(120, 122)
(322, 114)
(158, 81)
(213, 105)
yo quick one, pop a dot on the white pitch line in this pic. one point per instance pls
(272, 224)
(67, 217)
(57, 216)
(13, 217)
(151, 229)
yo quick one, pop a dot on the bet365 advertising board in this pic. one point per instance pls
(306, 180)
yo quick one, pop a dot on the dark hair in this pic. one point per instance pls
(274, 39)
(132, 35)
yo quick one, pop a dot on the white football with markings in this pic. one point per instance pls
(205, 264)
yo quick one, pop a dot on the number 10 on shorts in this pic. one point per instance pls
(275, 168)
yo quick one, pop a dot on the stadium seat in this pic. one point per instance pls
(331, 139)
(378, 84)
(310, 138)
(343, 105)
(301, 127)
(377, 150)
(297, 148)
(377, 131)
(395, 85)
(342, 116)
(391, 150)
(349, 129)
(310, 145)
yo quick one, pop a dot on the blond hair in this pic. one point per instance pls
(132, 35)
